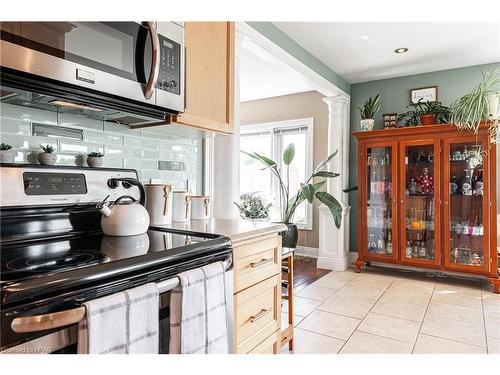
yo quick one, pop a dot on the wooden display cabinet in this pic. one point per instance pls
(425, 200)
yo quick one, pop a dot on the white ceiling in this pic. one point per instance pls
(264, 76)
(361, 52)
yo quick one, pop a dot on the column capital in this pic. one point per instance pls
(341, 98)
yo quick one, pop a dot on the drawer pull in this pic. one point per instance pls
(260, 315)
(261, 263)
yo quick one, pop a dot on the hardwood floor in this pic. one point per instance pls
(305, 272)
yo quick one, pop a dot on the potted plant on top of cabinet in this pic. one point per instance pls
(47, 156)
(367, 112)
(309, 190)
(425, 113)
(7, 153)
(95, 159)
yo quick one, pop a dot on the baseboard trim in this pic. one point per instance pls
(307, 252)
(333, 264)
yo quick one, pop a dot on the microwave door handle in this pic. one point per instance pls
(155, 60)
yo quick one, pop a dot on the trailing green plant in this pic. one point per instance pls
(471, 109)
(48, 149)
(412, 117)
(95, 155)
(252, 206)
(5, 146)
(309, 190)
(370, 107)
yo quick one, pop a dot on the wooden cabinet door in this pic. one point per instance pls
(466, 198)
(420, 202)
(209, 76)
(378, 200)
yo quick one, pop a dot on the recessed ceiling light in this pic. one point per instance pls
(364, 37)
(401, 50)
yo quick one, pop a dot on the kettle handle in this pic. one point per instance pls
(131, 181)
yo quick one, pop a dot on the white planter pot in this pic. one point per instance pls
(201, 207)
(94, 161)
(494, 106)
(181, 206)
(7, 156)
(159, 203)
(47, 159)
(367, 124)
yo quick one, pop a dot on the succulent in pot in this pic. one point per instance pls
(425, 113)
(95, 159)
(367, 112)
(308, 191)
(47, 156)
(7, 153)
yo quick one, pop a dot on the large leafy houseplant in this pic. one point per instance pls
(471, 109)
(425, 113)
(367, 112)
(309, 190)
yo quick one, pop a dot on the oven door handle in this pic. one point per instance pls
(155, 59)
(36, 323)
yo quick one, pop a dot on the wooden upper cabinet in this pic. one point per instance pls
(209, 76)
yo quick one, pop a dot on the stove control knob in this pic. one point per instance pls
(126, 185)
(112, 183)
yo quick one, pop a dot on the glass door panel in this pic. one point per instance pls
(465, 208)
(380, 202)
(420, 202)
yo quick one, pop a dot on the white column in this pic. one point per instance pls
(226, 160)
(333, 242)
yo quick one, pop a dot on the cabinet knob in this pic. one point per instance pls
(402, 201)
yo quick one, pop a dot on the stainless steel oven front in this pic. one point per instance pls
(143, 62)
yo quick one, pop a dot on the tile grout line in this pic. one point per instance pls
(422, 322)
(484, 324)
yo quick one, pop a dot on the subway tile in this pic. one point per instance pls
(27, 114)
(81, 122)
(148, 143)
(113, 162)
(120, 129)
(16, 141)
(79, 147)
(149, 154)
(148, 164)
(131, 141)
(35, 142)
(132, 163)
(101, 137)
(17, 127)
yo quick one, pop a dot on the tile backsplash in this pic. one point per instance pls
(154, 154)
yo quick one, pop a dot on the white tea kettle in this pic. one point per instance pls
(126, 216)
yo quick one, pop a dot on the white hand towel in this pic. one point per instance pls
(198, 312)
(125, 322)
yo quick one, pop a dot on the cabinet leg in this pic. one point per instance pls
(495, 282)
(358, 264)
(290, 345)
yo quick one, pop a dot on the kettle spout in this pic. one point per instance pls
(105, 210)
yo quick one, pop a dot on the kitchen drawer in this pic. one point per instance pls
(256, 261)
(257, 313)
(268, 346)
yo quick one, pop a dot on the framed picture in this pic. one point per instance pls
(390, 120)
(427, 94)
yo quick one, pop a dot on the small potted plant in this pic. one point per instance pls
(7, 154)
(253, 207)
(371, 106)
(425, 113)
(95, 159)
(47, 156)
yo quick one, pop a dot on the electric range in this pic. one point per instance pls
(54, 256)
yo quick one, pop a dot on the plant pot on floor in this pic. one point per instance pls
(427, 119)
(94, 161)
(7, 156)
(47, 159)
(290, 237)
(367, 124)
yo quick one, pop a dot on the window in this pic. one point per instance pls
(270, 140)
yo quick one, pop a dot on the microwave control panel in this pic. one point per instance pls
(170, 66)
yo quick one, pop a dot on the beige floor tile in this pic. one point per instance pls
(316, 292)
(357, 292)
(366, 343)
(411, 284)
(454, 312)
(301, 306)
(491, 304)
(408, 295)
(306, 342)
(493, 345)
(353, 306)
(460, 287)
(436, 345)
(333, 325)
(284, 320)
(459, 330)
(391, 327)
(457, 298)
(400, 309)
(492, 326)
(330, 282)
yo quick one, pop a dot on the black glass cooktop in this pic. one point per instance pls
(68, 253)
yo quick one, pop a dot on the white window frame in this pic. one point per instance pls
(307, 122)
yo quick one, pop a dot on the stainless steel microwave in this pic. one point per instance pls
(137, 62)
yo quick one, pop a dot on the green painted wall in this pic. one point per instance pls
(394, 95)
(277, 36)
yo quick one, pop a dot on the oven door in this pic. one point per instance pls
(119, 58)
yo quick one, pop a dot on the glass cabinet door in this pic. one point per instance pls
(419, 198)
(466, 205)
(380, 202)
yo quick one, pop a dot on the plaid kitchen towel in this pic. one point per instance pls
(198, 312)
(125, 322)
